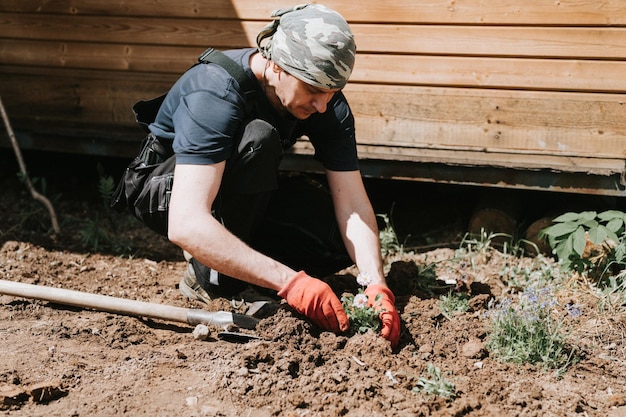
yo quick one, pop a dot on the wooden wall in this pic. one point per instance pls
(515, 93)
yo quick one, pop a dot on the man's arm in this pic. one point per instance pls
(192, 227)
(357, 223)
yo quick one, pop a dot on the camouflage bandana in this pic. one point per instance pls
(311, 42)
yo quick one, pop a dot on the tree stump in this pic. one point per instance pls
(532, 236)
(497, 212)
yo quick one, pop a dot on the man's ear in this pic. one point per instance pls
(276, 68)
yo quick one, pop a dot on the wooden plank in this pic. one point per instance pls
(568, 124)
(532, 74)
(477, 157)
(563, 42)
(82, 99)
(506, 73)
(504, 41)
(483, 12)
(112, 57)
(219, 33)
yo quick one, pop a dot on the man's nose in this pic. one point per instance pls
(320, 102)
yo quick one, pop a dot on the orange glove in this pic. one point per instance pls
(389, 316)
(316, 300)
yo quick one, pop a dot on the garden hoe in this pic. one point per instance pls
(135, 308)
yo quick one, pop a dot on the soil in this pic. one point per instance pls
(59, 360)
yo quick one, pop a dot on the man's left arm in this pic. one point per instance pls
(359, 229)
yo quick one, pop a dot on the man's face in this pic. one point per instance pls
(299, 98)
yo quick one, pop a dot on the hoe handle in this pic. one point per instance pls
(125, 306)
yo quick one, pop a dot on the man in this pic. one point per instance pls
(224, 206)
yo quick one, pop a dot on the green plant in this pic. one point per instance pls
(526, 331)
(363, 317)
(520, 273)
(586, 242)
(389, 243)
(106, 185)
(452, 304)
(435, 384)
(93, 235)
(613, 293)
(100, 232)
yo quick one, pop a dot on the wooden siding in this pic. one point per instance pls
(532, 86)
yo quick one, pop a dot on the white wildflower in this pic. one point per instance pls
(360, 301)
(364, 279)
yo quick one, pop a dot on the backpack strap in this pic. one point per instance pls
(235, 70)
(146, 110)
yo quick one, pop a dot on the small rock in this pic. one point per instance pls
(201, 332)
(426, 348)
(192, 401)
(474, 349)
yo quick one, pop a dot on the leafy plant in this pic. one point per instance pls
(520, 273)
(389, 243)
(363, 317)
(526, 331)
(436, 384)
(452, 304)
(586, 242)
(93, 235)
(99, 232)
(106, 185)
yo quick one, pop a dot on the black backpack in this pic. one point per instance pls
(146, 184)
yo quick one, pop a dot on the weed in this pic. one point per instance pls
(435, 384)
(93, 235)
(613, 292)
(538, 271)
(389, 243)
(99, 232)
(106, 185)
(452, 304)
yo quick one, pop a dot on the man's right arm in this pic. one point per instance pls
(193, 228)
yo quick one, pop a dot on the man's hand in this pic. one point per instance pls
(389, 316)
(316, 300)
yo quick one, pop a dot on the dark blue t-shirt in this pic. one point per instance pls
(205, 109)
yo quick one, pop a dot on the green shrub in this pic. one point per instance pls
(588, 242)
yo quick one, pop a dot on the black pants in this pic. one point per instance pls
(287, 217)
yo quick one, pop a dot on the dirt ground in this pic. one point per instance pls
(59, 360)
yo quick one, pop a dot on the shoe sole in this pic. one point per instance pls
(188, 292)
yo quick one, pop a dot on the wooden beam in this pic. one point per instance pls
(498, 41)
(483, 12)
